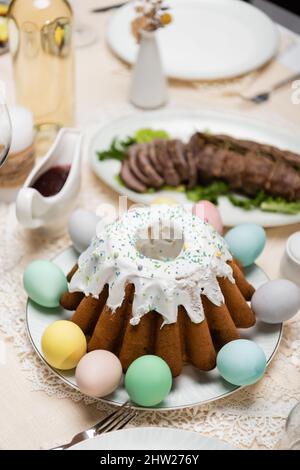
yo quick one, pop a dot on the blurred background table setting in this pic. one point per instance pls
(82, 81)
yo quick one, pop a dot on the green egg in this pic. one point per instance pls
(44, 283)
(148, 380)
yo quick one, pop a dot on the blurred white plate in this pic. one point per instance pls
(182, 123)
(192, 387)
(152, 438)
(207, 40)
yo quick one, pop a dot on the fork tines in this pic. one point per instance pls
(115, 420)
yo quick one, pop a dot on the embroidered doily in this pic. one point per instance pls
(252, 417)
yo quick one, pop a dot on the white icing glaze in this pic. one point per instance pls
(160, 284)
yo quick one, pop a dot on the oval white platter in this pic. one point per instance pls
(207, 39)
(192, 387)
(152, 438)
(182, 123)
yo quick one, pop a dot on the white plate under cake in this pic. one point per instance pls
(161, 281)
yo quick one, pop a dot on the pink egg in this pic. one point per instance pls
(207, 211)
(98, 373)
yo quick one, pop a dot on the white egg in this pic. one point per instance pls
(82, 228)
(276, 301)
(98, 373)
(22, 128)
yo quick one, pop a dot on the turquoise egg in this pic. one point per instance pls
(44, 283)
(241, 362)
(246, 242)
(148, 380)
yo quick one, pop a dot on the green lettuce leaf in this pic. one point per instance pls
(117, 150)
(266, 203)
(208, 193)
(142, 136)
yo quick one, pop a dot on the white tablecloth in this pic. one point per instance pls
(36, 409)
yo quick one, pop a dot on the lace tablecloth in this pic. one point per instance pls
(43, 411)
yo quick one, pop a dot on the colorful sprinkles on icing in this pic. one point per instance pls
(162, 284)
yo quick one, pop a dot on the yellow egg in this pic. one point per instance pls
(63, 344)
(165, 200)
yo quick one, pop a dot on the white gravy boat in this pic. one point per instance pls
(34, 210)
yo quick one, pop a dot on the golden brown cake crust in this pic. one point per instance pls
(88, 311)
(177, 343)
(168, 344)
(71, 300)
(108, 332)
(221, 324)
(246, 289)
(72, 272)
(199, 347)
(239, 310)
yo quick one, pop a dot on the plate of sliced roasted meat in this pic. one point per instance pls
(247, 166)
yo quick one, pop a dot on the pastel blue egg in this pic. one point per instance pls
(246, 242)
(241, 362)
(44, 283)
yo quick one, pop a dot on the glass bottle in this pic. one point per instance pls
(3, 26)
(40, 36)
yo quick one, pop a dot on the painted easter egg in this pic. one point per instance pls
(208, 212)
(63, 344)
(246, 242)
(82, 228)
(276, 301)
(241, 362)
(44, 283)
(148, 380)
(98, 373)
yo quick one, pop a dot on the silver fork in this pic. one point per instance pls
(265, 95)
(114, 421)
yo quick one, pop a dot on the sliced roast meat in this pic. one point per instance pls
(243, 146)
(211, 163)
(271, 152)
(233, 168)
(245, 166)
(171, 176)
(145, 166)
(130, 180)
(256, 173)
(197, 143)
(176, 153)
(281, 181)
(296, 186)
(154, 160)
(292, 159)
(209, 159)
(192, 167)
(134, 168)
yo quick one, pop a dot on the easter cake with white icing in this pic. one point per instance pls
(161, 281)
